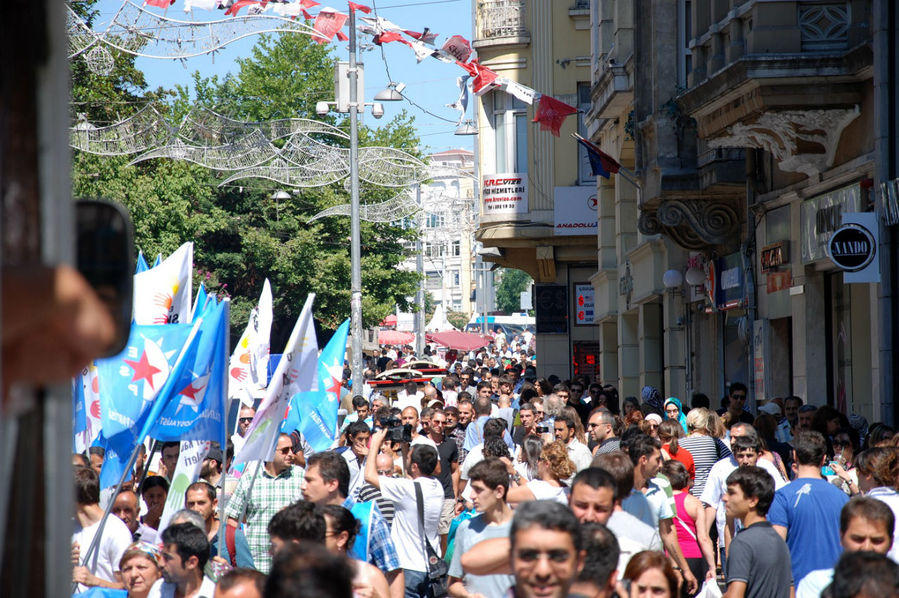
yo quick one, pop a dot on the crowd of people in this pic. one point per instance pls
(489, 480)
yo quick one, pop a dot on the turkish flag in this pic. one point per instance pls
(327, 24)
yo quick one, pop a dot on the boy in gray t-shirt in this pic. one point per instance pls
(489, 481)
(758, 564)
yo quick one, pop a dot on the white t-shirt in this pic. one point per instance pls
(115, 539)
(716, 487)
(405, 533)
(633, 536)
(545, 491)
(404, 400)
(580, 455)
(164, 589)
(474, 456)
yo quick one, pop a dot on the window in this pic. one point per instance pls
(584, 171)
(684, 35)
(510, 129)
(456, 249)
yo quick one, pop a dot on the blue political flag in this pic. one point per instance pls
(158, 260)
(200, 302)
(79, 412)
(99, 592)
(194, 409)
(141, 265)
(318, 409)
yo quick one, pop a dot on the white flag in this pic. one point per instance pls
(522, 92)
(162, 294)
(190, 462)
(297, 372)
(248, 368)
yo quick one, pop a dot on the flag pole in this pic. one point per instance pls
(133, 458)
(246, 501)
(226, 309)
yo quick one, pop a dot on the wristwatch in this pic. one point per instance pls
(516, 477)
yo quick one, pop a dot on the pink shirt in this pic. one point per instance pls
(686, 535)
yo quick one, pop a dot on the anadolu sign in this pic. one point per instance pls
(853, 248)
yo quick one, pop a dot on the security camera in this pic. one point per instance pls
(377, 110)
(321, 108)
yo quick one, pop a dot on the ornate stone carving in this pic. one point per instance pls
(791, 136)
(692, 223)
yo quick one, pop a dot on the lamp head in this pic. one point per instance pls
(321, 108)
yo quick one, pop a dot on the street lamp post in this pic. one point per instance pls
(353, 107)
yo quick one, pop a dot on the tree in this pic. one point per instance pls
(508, 293)
(241, 234)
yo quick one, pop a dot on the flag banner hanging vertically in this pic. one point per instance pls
(195, 408)
(296, 372)
(318, 410)
(190, 462)
(162, 294)
(327, 23)
(246, 378)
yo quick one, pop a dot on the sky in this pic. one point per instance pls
(431, 84)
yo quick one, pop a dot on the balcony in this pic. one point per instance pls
(501, 23)
(786, 77)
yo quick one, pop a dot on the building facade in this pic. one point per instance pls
(549, 230)
(750, 127)
(447, 224)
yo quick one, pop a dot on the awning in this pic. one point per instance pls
(463, 341)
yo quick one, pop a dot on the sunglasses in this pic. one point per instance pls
(245, 420)
(283, 451)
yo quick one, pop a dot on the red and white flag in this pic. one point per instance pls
(327, 24)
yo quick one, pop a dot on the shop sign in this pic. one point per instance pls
(853, 248)
(779, 281)
(583, 304)
(775, 255)
(505, 193)
(729, 293)
(585, 359)
(574, 211)
(821, 215)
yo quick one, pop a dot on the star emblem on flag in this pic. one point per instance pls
(192, 395)
(334, 379)
(152, 367)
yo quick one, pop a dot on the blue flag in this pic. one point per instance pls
(200, 302)
(79, 412)
(129, 384)
(142, 265)
(318, 409)
(158, 260)
(194, 409)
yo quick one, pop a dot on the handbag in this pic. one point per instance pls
(437, 567)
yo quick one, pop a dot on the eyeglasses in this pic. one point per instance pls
(283, 451)
(387, 472)
(245, 420)
(738, 397)
(592, 425)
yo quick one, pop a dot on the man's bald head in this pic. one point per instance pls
(127, 508)
(384, 462)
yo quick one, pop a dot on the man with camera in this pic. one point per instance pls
(410, 539)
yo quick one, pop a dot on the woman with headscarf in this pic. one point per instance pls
(652, 401)
(674, 410)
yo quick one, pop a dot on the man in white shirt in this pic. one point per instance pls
(407, 535)
(746, 449)
(563, 429)
(410, 396)
(101, 567)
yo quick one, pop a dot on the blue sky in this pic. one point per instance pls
(430, 84)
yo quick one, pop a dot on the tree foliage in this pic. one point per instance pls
(243, 235)
(508, 292)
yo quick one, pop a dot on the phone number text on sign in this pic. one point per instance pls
(505, 193)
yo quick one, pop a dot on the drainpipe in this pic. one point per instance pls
(885, 97)
(748, 256)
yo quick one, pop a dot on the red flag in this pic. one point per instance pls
(551, 113)
(342, 36)
(483, 82)
(327, 24)
(425, 36)
(387, 37)
(601, 163)
(362, 7)
(159, 3)
(457, 47)
(235, 8)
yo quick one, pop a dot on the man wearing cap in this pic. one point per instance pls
(782, 433)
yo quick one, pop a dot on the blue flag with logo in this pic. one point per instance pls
(142, 265)
(194, 409)
(200, 303)
(129, 384)
(318, 410)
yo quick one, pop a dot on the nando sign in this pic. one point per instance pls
(853, 248)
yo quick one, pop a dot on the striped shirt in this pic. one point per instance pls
(706, 451)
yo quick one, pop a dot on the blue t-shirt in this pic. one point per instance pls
(810, 510)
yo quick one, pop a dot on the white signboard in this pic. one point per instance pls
(583, 304)
(575, 211)
(505, 193)
(853, 247)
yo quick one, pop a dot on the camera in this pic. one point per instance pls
(396, 430)
(543, 429)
